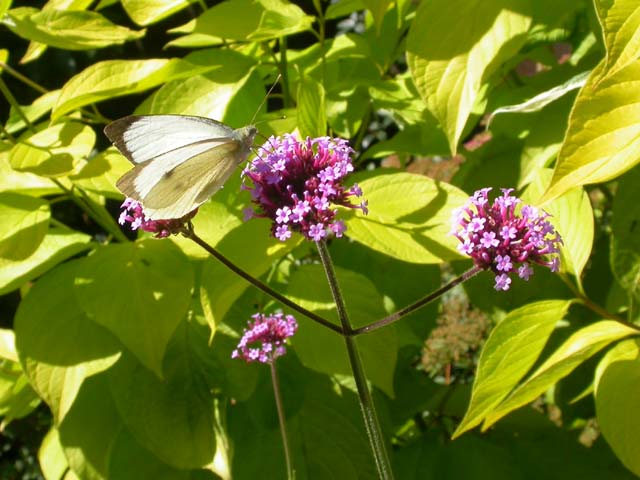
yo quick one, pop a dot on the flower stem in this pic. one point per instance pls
(191, 234)
(281, 419)
(4, 89)
(374, 432)
(419, 304)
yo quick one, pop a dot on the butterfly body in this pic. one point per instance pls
(179, 160)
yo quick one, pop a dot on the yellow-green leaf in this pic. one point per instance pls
(575, 350)
(510, 351)
(115, 78)
(68, 29)
(146, 12)
(409, 217)
(617, 391)
(451, 56)
(620, 21)
(603, 137)
(572, 216)
(54, 151)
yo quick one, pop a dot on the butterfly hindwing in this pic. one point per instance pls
(191, 183)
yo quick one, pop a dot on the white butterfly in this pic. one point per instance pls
(180, 161)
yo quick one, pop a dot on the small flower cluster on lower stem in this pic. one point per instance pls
(506, 236)
(264, 340)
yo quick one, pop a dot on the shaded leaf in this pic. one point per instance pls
(140, 292)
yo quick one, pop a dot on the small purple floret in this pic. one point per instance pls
(264, 339)
(296, 183)
(504, 238)
(133, 213)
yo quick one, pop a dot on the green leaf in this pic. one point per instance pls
(8, 345)
(220, 287)
(616, 393)
(68, 29)
(33, 112)
(324, 351)
(603, 137)
(25, 221)
(253, 20)
(231, 92)
(312, 117)
(17, 398)
(54, 151)
(377, 8)
(453, 46)
(101, 173)
(316, 410)
(58, 245)
(409, 217)
(543, 99)
(115, 78)
(510, 351)
(574, 351)
(59, 358)
(620, 21)
(625, 241)
(51, 456)
(342, 8)
(140, 292)
(146, 12)
(22, 182)
(572, 216)
(172, 417)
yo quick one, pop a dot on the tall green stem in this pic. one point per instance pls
(281, 419)
(191, 234)
(374, 432)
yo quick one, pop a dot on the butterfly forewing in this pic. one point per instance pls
(144, 137)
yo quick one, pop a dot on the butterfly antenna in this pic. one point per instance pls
(265, 98)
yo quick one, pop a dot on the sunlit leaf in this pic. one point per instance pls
(620, 21)
(25, 221)
(67, 29)
(450, 57)
(603, 137)
(54, 151)
(575, 350)
(572, 216)
(146, 12)
(510, 351)
(409, 217)
(115, 78)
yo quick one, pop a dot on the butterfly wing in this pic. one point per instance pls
(191, 183)
(141, 138)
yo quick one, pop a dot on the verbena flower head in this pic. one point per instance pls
(506, 236)
(295, 184)
(133, 213)
(264, 340)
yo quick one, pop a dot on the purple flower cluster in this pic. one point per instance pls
(133, 213)
(295, 182)
(269, 333)
(504, 241)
